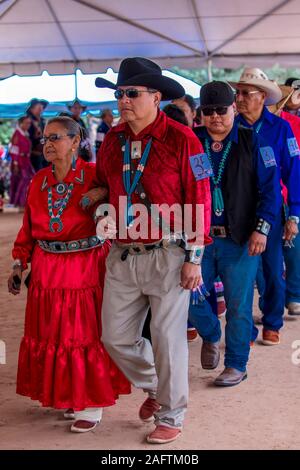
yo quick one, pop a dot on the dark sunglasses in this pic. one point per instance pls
(220, 110)
(54, 138)
(131, 93)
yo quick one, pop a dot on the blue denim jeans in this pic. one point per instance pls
(237, 271)
(270, 282)
(292, 265)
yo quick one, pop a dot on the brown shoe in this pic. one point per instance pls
(163, 435)
(230, 377)
(210, 355)
(147, 410)
(270, 338)
(192, 334)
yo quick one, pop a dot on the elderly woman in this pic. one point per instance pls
(62, 362)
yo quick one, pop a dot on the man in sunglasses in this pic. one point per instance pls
(253, 92)
(151, 159)
(245, 201)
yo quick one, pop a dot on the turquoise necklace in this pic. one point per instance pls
(130, 188)
(55, 219)
(217, 198)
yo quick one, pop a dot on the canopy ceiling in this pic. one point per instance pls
(62, 35)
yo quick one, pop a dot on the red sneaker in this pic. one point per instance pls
(192, 334)
(163, 435)
(147, 410)
(221, 306)
(270, 337)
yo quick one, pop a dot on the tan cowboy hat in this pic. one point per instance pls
(257, 78)
(290, 98)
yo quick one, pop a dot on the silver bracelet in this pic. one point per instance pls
(194, 255)
(17, 264)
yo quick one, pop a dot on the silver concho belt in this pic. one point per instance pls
(73, 245)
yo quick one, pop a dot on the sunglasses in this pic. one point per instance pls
(131, 93)
(246, 93)
(220, 110)
(54, 138)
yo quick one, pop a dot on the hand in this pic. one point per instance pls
(290, 230)
(106, 227)
(191, 276)
(12, 288)
(92, 196)
(257, 244)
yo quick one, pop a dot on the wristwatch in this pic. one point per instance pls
(294, 218)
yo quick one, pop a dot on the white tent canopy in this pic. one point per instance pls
(62, 35)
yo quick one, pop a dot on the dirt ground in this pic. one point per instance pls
(260, 413)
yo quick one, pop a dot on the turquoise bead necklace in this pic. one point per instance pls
(217, 198)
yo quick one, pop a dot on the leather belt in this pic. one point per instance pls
(143, 248)
(70, 246)
(219, 231)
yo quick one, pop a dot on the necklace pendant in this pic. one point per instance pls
(61, 188)
(218, 212)
(216, 146)
(55, 221)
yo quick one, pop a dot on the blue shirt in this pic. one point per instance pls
(276, 133)
(268, 185)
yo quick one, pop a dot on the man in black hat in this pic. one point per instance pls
(151, 159)
(34, 111)
(245, 202)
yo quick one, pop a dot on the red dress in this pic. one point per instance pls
(62, 362)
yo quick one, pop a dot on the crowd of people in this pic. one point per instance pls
(112, 302)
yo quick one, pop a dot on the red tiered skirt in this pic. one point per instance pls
(62, 362)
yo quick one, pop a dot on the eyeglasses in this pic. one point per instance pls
(131, 93)
(54, 138)
(246, 93)
(220, 110)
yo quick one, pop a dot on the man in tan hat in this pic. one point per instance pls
(149, 160)
(253, 92)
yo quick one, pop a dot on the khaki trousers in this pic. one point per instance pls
(131, 286)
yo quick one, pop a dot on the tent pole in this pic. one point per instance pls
(76, 85)
(209, 70)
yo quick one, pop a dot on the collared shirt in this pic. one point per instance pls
(276, 133)
(168, 177)
(268, 185)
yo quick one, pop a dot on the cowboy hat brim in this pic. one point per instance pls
(272, 90)
(169, 88)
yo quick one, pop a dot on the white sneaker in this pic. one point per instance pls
(294, 308)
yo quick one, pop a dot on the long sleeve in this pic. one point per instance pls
(24, 243)
(196, 189)
(290, 170)
(268, 183)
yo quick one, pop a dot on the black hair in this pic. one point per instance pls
(173, 112)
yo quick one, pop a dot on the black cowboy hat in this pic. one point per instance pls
(138, 71)
(35, 101)
(76, 101)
